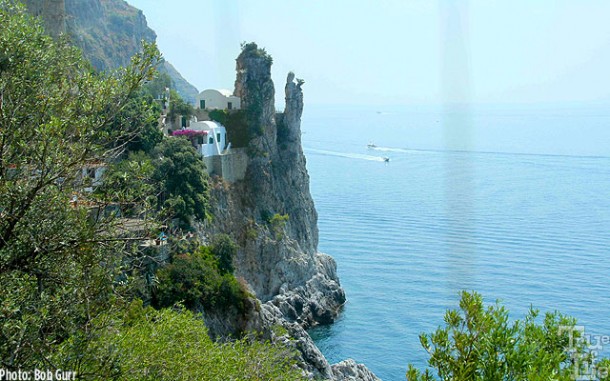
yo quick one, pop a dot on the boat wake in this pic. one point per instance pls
(391, 149)
(346, 155)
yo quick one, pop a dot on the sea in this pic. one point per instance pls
(510, 201)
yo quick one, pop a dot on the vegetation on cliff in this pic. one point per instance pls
(237, 126)
(202, 279)
(69, 257)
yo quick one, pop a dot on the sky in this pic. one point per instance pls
(398, 52)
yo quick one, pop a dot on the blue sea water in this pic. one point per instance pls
(514, 204)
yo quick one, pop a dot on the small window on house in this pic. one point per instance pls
(230, 105)
(218, 137)
(202, 104)
(200, 140)
(211, 140)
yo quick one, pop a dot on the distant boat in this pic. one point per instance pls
(371, 146)
(386, 159)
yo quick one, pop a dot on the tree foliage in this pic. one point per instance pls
(128, 186)
(198, 280)
(157, 87)
(224, 248)
(141, 113)
(58, 259)
(481, 343)
(169, 344)
(178, 107)
(183, 182)
(236, 123)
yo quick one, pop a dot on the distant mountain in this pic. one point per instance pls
(109, 33)
(187, 91)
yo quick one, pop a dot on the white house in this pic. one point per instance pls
(211, 139)
(222, 99)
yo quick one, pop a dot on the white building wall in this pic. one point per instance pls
(215, 142)
(215, 99)
(235, 102)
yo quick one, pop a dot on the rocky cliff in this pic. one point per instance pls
(109, 33)
(52, 12)
(272, 216)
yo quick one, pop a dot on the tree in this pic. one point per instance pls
(224, 248)
(141, 114)
(157, 87)
(178, 107)
(184, 187)
(197, 280)
(58, 258)
(128, 186)
(480, 343)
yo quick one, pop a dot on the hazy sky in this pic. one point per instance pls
(403, 51)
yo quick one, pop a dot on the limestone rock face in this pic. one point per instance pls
(348, 370)
(109, 32)
(297, 286)
(276, 256)
(53, 14)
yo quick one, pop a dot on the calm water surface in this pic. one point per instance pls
(514, 205)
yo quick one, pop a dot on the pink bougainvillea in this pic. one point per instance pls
(189, 133)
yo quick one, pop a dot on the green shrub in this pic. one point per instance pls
(252, 49)
(224, 248)
(182, 180)
(178, 107)
(197, 280)
(146, 344)
(278, 223)
(236, 124)
(480, 343)
(279, 330)
(237, 129)
(219, 116)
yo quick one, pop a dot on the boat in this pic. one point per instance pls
(371, 146)
(386, 159)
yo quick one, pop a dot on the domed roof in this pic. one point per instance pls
(223, 92)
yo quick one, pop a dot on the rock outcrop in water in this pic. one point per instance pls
(297, 286)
